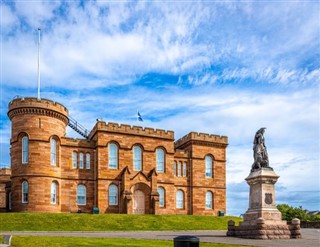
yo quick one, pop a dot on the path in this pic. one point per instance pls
(311, 237)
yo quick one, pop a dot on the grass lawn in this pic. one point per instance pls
(109, 222)
(22, 241)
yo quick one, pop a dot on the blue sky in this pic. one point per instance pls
(219, 67)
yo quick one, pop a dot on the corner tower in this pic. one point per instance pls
(36, 130)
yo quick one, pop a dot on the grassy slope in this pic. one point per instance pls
(109, 222)
(22, 241)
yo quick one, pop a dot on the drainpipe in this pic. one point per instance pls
(95, 203)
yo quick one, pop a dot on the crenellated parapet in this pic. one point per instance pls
(131, 130)
(201, 137)
(33, 106)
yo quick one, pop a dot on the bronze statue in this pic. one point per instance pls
(260, 153)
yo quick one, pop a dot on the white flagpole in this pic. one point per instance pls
(39, 63)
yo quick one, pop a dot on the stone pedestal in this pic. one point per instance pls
(263, 220)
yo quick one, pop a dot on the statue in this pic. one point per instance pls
(260, 154)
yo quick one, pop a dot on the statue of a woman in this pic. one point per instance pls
(260, 153)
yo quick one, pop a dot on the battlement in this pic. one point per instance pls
(5, 171)
(201, 137)
(31, 102)
(133, 130)
(30, 105)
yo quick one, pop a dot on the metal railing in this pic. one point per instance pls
(78, 127)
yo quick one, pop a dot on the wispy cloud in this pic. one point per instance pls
(218, 67)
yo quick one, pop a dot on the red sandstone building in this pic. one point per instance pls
(114, 168)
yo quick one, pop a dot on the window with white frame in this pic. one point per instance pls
(25, 192)
(53, 195)
(87, 161)
(53, 151)
(81, 161)
(179, 199)
(160, 160)
(137, 158)
(81, 195)
(209, 197)
(179, 168)
(113, 194)
(161, 197)
(113, 156)
(208, 160)
(175, 168)
(184, 169)
(74, 159)
(25, 150)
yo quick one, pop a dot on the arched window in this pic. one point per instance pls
(74, 159)
(175, 168)
(179, 199)
(53, 151)
(208, 166)
(25, 150)
(161, 197)
(137, 158)
(25, 192)
(160, 160)
(53, 195)
(81, 160)
(113, 194)
(113, 156)
(179, 169)
(209, 200)
(184, 169)
(81, 195)
(87, 160)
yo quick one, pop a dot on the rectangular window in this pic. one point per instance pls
(179, 169)
(74, 160)
(184, 169)
(81, 161)
(88, 161)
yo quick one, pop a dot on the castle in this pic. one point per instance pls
(113, 169)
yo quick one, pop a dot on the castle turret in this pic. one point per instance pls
(37, 128)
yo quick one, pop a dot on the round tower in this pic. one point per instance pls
(37, 126)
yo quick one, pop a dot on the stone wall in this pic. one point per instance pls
(42, 120)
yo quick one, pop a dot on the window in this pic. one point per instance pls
(88, 161)
(137, 156)
(81, 160)
(209, 199)
(53, 152)
(81, 195)
(161, 197)
(53, 195)
(113, 194)
(179, 169)
(25, 192)
(74, 160)
(184, 169)
(175, 168)
(179, 199)
(113, 156)
(9, 201)
(160, 160)
(208, 166)
(25, 150)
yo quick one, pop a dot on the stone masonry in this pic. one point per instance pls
(43, 120)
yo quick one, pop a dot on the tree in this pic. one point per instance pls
(289, 212)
